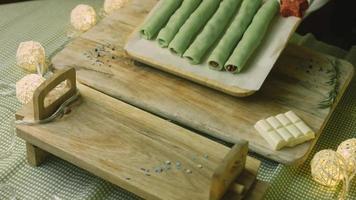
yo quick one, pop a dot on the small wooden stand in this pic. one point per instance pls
(135, 150)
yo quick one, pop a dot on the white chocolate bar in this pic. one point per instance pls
(274, 122)
(294, 131)
(283, 119)
(284, 130)
(272, 137)
(286, 135)
(264, 125)
(304, 128)
(292, 117)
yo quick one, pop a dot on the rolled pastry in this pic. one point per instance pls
(192, 26)
(253, 36)
(212, 31)
(234, 33)
(177, 20)
(154, 24)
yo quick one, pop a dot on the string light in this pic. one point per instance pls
(328, 167)
(31, 56)
(347, 149)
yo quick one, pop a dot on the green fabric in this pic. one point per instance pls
(159, 18)
(47, 22)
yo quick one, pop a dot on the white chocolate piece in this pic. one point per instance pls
(284, 130)
(288, 137)
(31, 56)
(283, 119)
(307, 134)
(303, 128)
(292, 117)
(272, 138)
(83, 17)
(264, 125)
(274, 122)
(299, 140)
(27, 86)
(294, 131)
(113, 5)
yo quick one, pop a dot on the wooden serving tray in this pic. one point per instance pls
(298, 82)
(119, 142)
(243, 84)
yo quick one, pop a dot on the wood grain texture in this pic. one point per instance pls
(116, 141)
(298, 82)
(230, 167)
(40, 110)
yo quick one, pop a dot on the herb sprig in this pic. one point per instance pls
(333, 81)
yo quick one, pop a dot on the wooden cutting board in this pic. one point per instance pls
(247, 82)
(126, 146)
(298, 82)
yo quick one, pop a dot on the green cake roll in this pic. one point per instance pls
(253, 36)
(193, 26)
(212, 31)
(159, 18)
(177, 20)
(234, 33)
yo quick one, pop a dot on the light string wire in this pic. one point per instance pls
(347, 180)
(5, 154)
(59, 112)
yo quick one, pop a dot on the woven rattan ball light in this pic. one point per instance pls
(347, 149)
(83, 17)
(113, 5)
(328, 167)
(31, 57)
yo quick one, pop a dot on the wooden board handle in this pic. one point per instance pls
(226, 173)
(42, 112)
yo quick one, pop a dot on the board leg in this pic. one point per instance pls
(35, 155)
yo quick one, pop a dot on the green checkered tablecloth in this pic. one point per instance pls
(48, 22)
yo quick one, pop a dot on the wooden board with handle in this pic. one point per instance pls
(126, 146)
(298, 82)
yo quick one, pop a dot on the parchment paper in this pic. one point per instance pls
(251, 78)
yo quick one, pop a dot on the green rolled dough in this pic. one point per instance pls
(177, 20)
(193, 26)
(159, 19)
(252, 37)
(234, 33)
(212, 31)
